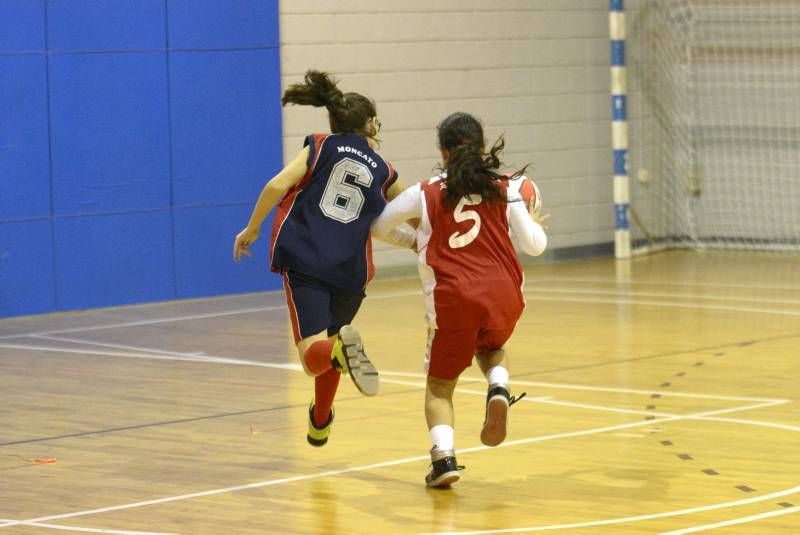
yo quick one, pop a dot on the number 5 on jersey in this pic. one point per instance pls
(343, 199)
(462, 214)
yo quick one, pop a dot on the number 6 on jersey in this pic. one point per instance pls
(342, 199)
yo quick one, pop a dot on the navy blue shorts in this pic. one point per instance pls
(315, 306)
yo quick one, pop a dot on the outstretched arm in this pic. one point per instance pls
(270, 195)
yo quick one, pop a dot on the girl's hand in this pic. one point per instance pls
(242, 242)
(541, 219)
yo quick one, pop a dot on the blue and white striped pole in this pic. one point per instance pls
(619, 129)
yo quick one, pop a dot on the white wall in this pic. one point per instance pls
(537, 70)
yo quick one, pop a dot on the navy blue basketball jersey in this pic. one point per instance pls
(322, 224)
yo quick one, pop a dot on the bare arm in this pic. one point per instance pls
(273, 191)
(395, 189)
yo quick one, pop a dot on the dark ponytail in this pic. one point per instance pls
(348, 112)
(469, 170)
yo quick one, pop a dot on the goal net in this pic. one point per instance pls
(714, 123)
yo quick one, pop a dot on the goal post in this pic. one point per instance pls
(713, 115)
(619, 129)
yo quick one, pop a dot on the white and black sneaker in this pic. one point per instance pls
(498, 400)
(444, 469)
(349, 357)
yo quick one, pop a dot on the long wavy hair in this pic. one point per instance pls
(469, 169)
(348, 113)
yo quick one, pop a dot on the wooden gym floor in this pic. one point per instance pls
(661, 399)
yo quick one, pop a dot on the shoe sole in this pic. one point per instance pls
(444, 480)
(494, 429)
(317, 443)
(359, 367)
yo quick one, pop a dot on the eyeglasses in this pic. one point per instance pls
(378, 124)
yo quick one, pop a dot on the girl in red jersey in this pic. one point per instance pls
(327, 198)
(471, 277)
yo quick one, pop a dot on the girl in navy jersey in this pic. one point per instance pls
(327, 197)
(471, 277)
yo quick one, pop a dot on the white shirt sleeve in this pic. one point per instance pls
(531, 236)
(512, 193)
(388, 226)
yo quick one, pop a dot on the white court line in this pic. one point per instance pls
(625, 520)
(196, 356)
(146, 322)
(304, 477)
(203, 359)
(666, 416)
(171, 355)
(96, 530)
(117, 346)
(362, 468)
(174, 355)
(100, 353)
(543, 399)
(663, 393)
(622, 300)
(784, 427)
(467, 391)
(637, 293)
(90, 530)
(668, 284)
(213, 492)
(568, 386)
(548, 400)
(733, 522)
(389, 463)
(532, 296)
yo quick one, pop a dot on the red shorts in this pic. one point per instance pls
(450, 351)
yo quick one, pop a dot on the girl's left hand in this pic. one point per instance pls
(243, 240)
(541, 219)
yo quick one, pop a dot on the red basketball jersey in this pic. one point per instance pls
(468, 260)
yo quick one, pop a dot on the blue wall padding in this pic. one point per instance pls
(22, 26)
(221, 155)
(200, 270)
(106, 24)
(211, 24)
(110, 132)
(26, 277)
(135, 137)
(105, 260)
(24, 170)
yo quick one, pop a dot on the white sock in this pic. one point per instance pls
(442, 437)
(497, 375)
